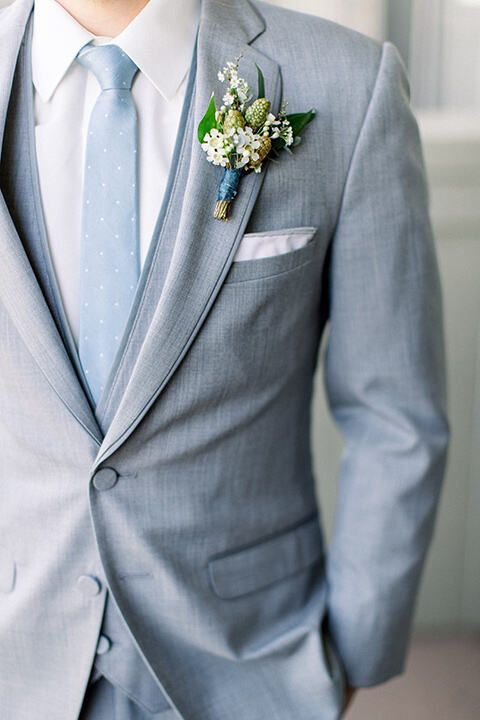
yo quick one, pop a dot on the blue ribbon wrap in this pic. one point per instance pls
(229, 183)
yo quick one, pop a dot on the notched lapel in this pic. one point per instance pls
(204, 247)
(19, 289)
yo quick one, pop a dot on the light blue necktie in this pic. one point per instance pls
(110, 264)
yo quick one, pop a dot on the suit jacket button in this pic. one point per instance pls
(105, 478)
(89, 585)
(104, 645)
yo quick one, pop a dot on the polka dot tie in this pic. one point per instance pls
(110, 264)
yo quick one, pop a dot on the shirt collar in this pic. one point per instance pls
(159, 40)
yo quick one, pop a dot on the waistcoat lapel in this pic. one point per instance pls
(20, 290)
(203, 247)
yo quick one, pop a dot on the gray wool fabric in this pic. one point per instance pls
(187, 498)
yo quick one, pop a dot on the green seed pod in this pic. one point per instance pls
(263, 150)
(256, 114)
(233, 121)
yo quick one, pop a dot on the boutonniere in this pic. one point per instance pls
(241, 134)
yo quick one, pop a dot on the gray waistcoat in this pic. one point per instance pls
(117, 656)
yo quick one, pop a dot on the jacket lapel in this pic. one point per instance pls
(204, 247)
(19, 289)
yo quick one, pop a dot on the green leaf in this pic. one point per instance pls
(300, 120)
(208, 121)
(261, 82)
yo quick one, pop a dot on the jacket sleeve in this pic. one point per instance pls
(385, 385)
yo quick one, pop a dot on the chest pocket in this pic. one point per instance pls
(268, 253)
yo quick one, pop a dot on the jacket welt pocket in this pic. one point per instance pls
(253, 567)
(269, 266)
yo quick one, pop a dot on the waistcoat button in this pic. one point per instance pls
(105, 478)
(88, 585)
(104, 645)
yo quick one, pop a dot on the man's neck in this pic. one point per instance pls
(103, 17)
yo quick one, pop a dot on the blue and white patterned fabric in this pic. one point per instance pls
(110, 230)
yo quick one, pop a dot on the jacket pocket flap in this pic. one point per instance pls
(253, 567)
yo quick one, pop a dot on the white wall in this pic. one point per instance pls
(445, 53)
(366, 16)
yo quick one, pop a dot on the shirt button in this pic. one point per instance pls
(88, 585)
(104, 645)
(105, 478)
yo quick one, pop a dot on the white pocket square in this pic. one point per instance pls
(256, 245)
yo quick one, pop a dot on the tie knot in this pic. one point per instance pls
(112, 66)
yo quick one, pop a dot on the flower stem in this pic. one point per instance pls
(227, 190)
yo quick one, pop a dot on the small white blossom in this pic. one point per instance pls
(246, 144)
(218, 147)
(271, 120)
(238, 92)
(286, 132)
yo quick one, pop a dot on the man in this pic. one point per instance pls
(161, 550)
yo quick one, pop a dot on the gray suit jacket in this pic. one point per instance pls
(189, 492)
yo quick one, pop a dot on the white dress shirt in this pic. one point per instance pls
(160, 40)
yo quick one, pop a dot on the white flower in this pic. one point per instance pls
(286, 133)
(246, 144)
(245, 139)
(213, 139)
(288, 136)
(217, 146)
(238, 92)
(271, 122)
